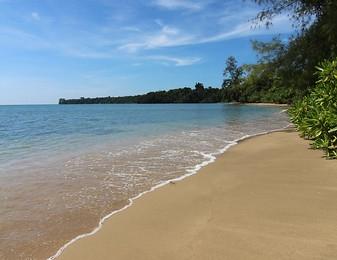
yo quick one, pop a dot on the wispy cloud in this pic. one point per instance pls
(105, 40)
(19, 38)
(169, 36)
(85, 45)
(179, 4)
(35, 16)
(177, 61)
(87, 53)
(131, 29)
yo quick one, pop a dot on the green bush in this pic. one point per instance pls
(315, 116)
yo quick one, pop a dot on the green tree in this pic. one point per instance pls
(232, 73)
(302, 12)
(269, 51)
(199, 87)
(305, 14)
(285, 71)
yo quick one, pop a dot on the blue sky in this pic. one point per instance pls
(71, 48)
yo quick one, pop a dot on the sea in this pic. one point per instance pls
(64, 169)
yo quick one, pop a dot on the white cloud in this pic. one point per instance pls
(179, 4)
(167, 37)
(171, 37)
(35, 16)
(177, 61)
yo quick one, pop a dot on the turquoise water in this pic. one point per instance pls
(65, 167)
(30, 130)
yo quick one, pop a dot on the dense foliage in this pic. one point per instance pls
(199, 94)
(260, 82)
(285, 71)
(316, 115)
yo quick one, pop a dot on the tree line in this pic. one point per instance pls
(301, 71)
(286, 70)
(199, 94)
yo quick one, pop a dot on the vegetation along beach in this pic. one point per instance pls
(168, 129)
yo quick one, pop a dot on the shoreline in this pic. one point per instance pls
(260, 104)
(126, 156)
(212, 158)
(162, 223)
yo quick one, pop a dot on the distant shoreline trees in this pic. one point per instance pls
(199, 94)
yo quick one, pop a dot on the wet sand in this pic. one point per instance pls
(261, 104)
(270, 197)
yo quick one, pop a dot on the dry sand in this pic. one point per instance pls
(270, 197)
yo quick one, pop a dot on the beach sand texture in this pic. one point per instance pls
(270, 197)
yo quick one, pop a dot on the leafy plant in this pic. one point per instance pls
(315, 116)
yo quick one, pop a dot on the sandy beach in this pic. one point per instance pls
(270, 197)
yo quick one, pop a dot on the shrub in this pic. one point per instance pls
(315, 116)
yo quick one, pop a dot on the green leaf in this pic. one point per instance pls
(333, 130)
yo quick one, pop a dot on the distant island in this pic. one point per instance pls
(199, 94)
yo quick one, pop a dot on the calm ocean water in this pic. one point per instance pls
(63, 168)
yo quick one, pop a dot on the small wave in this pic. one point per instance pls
(283, 111)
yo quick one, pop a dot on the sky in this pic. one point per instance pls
(51, 49)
